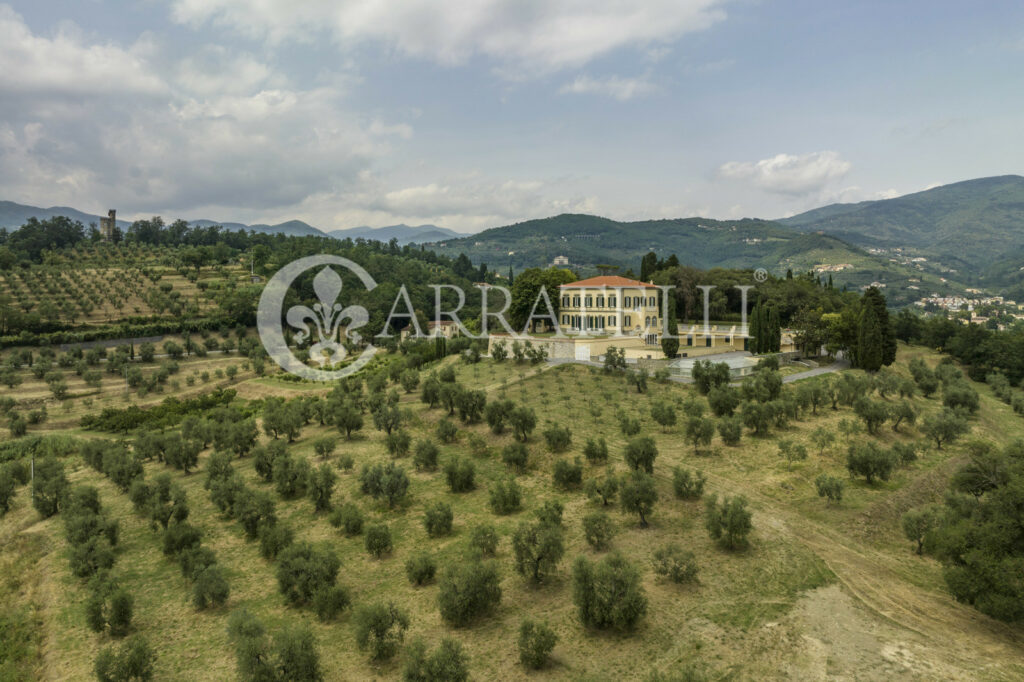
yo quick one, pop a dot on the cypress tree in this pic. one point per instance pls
(876, 300)
(670, 346)
(774, 339)
(870, 341)
(754, 330)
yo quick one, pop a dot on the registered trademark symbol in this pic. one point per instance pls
(760, 274)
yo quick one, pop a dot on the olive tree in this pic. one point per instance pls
(468, 591)
(728, 522)
(637, 495)
(537, 548)
(380, 629)
(608, 593)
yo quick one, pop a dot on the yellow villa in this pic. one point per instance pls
(600, 312)
(611, 305)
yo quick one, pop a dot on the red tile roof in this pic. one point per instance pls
(607, 281)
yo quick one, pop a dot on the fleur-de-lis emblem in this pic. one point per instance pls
(326, 316)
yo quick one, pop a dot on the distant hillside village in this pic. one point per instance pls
(994, 312)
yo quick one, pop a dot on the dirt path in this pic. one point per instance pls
(960, 641)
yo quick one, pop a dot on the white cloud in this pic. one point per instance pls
(614, 86)
(222, 134)
(99, 126)
(63, 65)
(532, 36)
(215, 71)
(402, 130)
(789, 174)
(468, 202)
(854, 194)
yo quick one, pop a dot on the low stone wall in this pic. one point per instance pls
(557, 349)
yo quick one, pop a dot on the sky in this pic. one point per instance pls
(472, 114)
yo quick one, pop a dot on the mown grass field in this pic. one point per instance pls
(746, 618)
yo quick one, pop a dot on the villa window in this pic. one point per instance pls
(689, 340)
(611, 321)
(626, 300)
(627, 320)
(565, 301)
(708, 342)
(600, 301)
(590, 301)
(611, 301)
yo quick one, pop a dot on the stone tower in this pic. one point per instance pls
(108, 224)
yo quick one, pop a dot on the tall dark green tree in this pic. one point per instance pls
(765, 329)
(774, 336)
(874, 299)
(670, 344)
(754, 328)
(870, 340)
(648, 266)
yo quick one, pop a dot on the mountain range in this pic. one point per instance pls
(13, 216)
(588, 241)
(940, 240)
(405, 234)
(975, 227)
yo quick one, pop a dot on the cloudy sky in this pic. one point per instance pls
(476, 113)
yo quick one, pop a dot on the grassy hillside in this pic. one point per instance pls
(822, 591)
(966, 225)
(590, 240)
(703, 243)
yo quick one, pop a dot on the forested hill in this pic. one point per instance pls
(588, 241)
(971, 226)
(591, 240)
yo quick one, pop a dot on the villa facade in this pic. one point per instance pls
(611, 305)
(598, 313)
